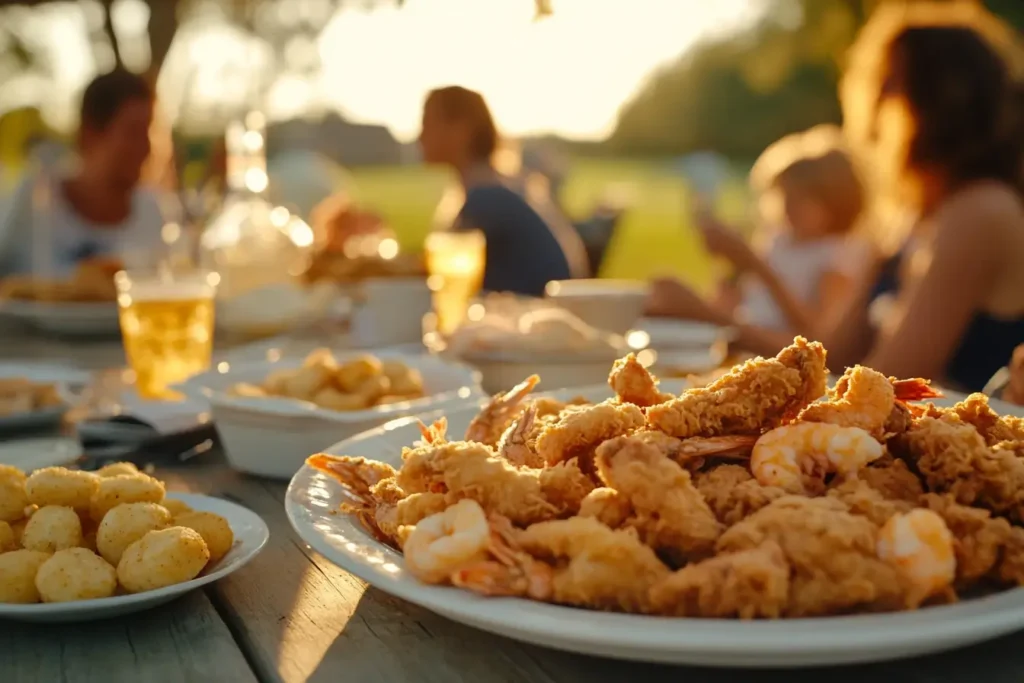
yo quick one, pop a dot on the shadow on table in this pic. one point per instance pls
(421, 646)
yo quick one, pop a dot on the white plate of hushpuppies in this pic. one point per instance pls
(77, 546)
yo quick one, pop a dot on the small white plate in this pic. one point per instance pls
(312, 506)
(251, 535)
(31, 454)
(59, 375)
(69, 319)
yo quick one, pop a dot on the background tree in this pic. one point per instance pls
(738, 94)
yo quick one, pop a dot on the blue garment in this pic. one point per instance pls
(985, 346)
(523, 254)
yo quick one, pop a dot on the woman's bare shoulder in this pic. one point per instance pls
(985, 209)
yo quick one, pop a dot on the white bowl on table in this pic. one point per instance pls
(273, 436)
(610, 305)
(502, 370)
(85, 319)
(683, 347)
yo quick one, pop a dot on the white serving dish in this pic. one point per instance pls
(669, 333)
(312, 506)
(609, 305)
(250, 533)
(68, 319)
(500, 370)
(272, 437)
(59, 375)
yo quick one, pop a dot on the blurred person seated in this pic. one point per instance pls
(528, 243)
(96, 209)
(805, 258)
(931, 97)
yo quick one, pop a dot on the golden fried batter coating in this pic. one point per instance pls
(759, 395)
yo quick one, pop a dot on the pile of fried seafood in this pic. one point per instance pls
(745, 498)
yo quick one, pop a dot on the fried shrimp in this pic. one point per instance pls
(462, 469)
(865, 398)
(489, 424)
(952, 457)
(691, 453)
(514, 444)
(595, 566)
(749, 584)
(388, 509)
(441, 544)
(510, 571)
(633, 383)
(583, 429)
(920, 544)
(832, 554)
(759, 395)
(797, 457)
(357, 475)
(671, 516)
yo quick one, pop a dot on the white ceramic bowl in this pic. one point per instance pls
(500, 371)
(610, 305)
(272, 437)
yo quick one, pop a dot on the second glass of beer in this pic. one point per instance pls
(167, 327)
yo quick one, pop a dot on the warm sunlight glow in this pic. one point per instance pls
(567, 74)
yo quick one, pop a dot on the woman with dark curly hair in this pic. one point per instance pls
(933, 98)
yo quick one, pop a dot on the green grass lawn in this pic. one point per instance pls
(656, 236)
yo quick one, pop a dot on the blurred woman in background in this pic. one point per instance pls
(525, 248)
(933, 97)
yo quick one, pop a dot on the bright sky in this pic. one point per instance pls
(567, 74)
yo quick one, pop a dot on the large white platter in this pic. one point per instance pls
(251, 535)
(312, 501)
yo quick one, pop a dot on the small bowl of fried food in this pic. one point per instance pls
(269, 412)
(32, 396)
(89, 545)
(84, 303)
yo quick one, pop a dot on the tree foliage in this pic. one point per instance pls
(738, 94)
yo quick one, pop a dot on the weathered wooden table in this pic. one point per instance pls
(291, 615)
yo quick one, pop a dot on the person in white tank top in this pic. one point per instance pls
(798, 274)
(96, 209)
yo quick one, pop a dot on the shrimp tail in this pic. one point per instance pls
(357, 475)
(511, 572)
(437, 433)
(915, 389)
(738, 447)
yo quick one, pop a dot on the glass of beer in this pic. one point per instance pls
(167, 327)
(455, 264)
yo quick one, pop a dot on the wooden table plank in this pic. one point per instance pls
(181, 642)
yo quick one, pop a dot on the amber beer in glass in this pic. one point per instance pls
(167, 327)
(455, 264)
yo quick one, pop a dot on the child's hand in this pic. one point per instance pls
(1014, 392)
(725, 242)
(670, 298)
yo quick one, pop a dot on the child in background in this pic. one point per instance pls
(805, 255)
